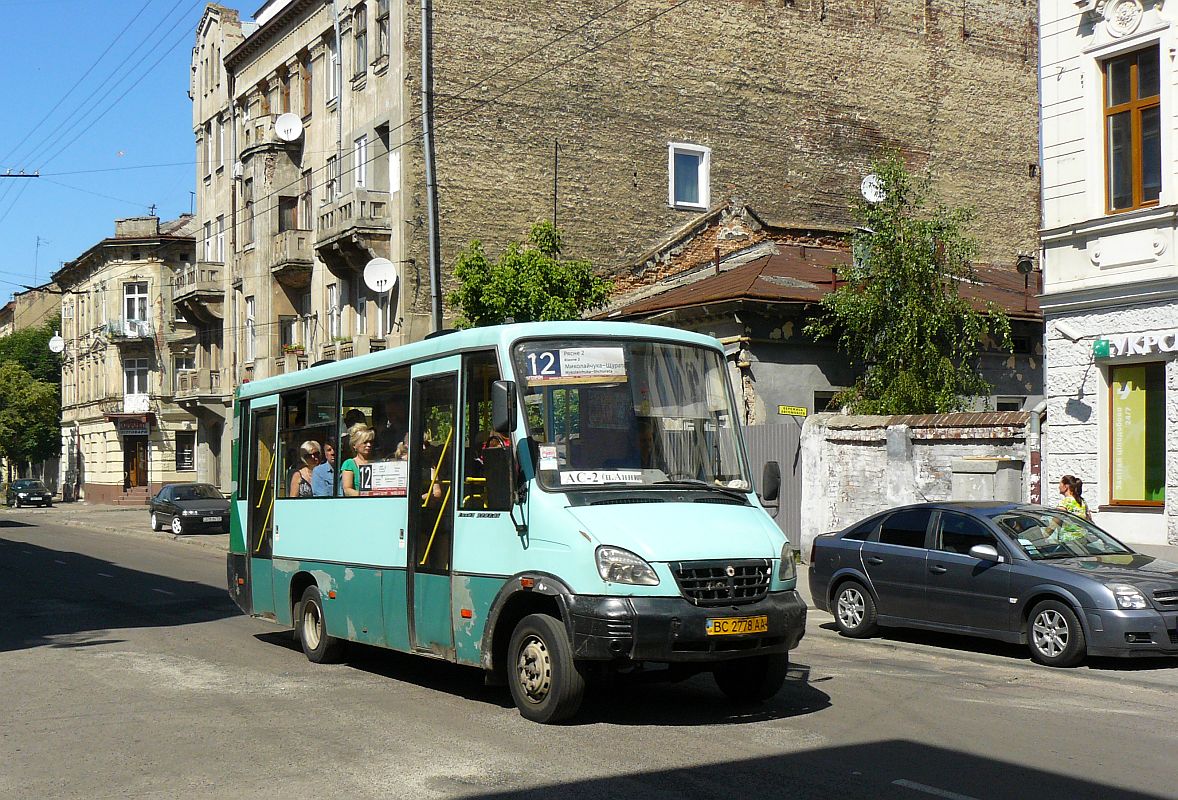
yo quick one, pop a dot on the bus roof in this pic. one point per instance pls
(500, 336)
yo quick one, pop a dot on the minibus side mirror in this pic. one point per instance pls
(771, 482)
(503, 406)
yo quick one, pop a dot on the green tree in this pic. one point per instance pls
(30, 348)
(29, 416)
(530, 282)
(899, 315)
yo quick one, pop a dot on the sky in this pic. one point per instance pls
(95, 98)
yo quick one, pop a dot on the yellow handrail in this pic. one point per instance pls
(425, 500)
(262, 494)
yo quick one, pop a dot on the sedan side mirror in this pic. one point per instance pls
(984, 552)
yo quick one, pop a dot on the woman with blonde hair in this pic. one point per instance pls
(361, 437)
(300, 481)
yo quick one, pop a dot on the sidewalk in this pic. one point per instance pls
(124, 520)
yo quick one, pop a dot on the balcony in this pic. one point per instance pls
(292, 361)
(130, 331)
(198, 293)
(292, 259)
(353, 230)
(199, 386)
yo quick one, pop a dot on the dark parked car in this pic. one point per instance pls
(1019, 573)
(189, 507)
(27, 492)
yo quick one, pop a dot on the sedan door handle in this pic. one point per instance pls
(937, 570)
(874, 560)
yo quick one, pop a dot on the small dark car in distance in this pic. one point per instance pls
(1019, 573)
(27, 492)
(188, 508)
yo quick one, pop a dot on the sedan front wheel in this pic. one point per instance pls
(177, 526)
(1055, 636)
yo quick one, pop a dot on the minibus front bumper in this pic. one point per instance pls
(672, 629)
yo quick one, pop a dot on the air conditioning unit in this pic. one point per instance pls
(239, 168)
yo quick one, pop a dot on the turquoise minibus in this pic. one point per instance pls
(550, 502)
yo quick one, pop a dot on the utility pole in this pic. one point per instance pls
(36, 253)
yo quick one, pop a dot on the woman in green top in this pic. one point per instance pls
(1071, 492)
(361, 437)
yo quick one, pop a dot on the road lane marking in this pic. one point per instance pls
(933, 790)
(162, 591)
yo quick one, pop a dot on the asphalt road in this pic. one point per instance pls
(125, 671)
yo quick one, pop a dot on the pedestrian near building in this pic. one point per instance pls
(1071, 490)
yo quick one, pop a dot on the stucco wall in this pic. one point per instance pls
(854, 466)
(1077, 430)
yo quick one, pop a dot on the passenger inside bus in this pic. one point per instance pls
(361, 437)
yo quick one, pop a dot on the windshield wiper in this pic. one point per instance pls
(696, 482)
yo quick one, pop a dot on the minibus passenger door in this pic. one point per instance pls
(260, 469)
(434, 438)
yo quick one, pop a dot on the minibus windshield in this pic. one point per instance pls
(608, 413)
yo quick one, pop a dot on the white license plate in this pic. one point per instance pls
(212, 519)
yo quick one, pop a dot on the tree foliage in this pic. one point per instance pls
(30, 348)
(529, 282)
(899, 314)
(29, 415)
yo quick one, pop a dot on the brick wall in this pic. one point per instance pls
(792, 97)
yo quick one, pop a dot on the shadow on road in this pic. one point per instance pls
(626, 699)
(891, 770)
(65, 599)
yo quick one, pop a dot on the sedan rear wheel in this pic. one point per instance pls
(854, 611)
(155, 522)
(1056, 638)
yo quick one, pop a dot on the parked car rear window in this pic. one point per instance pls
(905, 528)
(958, 533)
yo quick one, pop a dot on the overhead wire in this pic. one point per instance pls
(76, 84)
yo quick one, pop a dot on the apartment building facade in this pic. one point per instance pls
(1110, 201)
(123, 432)
(624, 124)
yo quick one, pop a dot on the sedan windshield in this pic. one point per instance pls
(1046, 534)
(632, 413)
(197, 491)
(29, 486)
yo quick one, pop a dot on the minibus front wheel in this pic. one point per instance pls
(546, 684)
(752, 680)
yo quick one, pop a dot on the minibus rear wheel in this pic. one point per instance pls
(319, 646)
(752, 680)
(545, 682)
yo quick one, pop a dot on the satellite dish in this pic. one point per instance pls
(380, 275)
(288, 127)
(872, 189)
(56, 344)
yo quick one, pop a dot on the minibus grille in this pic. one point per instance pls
(719, 583)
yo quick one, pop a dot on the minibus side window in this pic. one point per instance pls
(305, 432)
(486, 455)
(371, 459)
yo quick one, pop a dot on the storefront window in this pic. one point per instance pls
(1138, 421)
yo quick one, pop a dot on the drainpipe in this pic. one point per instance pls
(339, 92)
(427, 144)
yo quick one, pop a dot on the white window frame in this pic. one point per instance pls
(333, 69)
(136, 376)
(333, 311)
(221, 239)
(250, 343)
(333, 189)
(394, 171)
(360, 161)
(704, 174)
(208, 241)
(135, 302)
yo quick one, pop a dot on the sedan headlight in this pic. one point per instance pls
(1128, 597)
(788, 570)
(189, 512)
(22, 494)
(621, 566)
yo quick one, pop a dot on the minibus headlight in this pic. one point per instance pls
(621, 566)
(788, 570)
